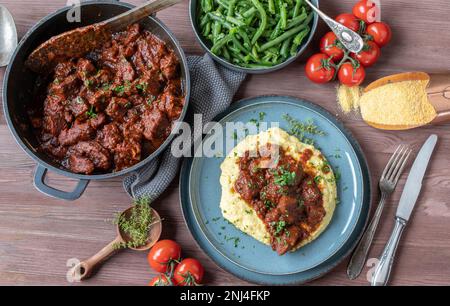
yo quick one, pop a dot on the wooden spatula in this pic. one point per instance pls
(438, 91)
(80, 41)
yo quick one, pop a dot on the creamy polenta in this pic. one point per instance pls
(285, 203)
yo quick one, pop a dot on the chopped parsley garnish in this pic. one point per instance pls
(150, 99)
(142, 87)
(284, 177)
(91, 112)
(268, 204)
(262, 115)
(279, 226)
(235, 240)
(119, 89)
(88, 83)
(317, 179)
(234, 135)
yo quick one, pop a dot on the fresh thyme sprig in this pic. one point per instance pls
(299, 129)
(136, 225)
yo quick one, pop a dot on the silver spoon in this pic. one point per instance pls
(8, 36)
(351, 40)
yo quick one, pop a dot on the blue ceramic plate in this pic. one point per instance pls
(243, 251)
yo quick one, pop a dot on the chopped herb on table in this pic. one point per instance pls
(299, 129)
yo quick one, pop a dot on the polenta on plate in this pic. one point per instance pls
(278, 190)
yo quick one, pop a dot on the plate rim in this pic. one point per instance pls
(298, 102)
(330, 266)
(367, 185)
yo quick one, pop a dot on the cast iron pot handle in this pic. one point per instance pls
(39, 183)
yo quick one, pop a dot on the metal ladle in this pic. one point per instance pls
(8, 36)
(85, 268)
(351, 40)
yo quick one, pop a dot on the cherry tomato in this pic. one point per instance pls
(328, 46)
(380, 32)
(161, 280)
(319, 68)
(163, 255)
(369, 55)
(350, 76)
(348, 20)
(189, 272)
(366, 11)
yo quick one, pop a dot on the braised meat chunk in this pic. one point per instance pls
(109, 109)
(284, 196)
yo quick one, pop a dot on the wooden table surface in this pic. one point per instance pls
(38, 234)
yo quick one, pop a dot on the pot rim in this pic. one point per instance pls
(28, 148)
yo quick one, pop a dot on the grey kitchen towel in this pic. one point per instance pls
(212, 89)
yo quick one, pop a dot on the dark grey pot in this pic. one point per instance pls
(19, 83)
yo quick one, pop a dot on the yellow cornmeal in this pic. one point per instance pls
(400, 103)
(348, 97)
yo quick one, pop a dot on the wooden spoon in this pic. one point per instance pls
(438, 91)
(85, 268)
(78, 42)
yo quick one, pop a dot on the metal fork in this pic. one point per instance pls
(388, 181)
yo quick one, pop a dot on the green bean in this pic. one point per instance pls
(282, 37)
(245, 38)
(298, 20)
(263, 22)
(254, 33)
(238, 45)
(222, 3)
(231, 6)
(207, 5)
(255, 53)
(249, 12)
(286, 47)
(276, 32)
(221, 42)
(225, 52)
(207, 29)
(297, 41)
(271, 7)
(217, 28)
(221, 20)
(235, 21)
(204, 20)
(283, 14)
(297, 6)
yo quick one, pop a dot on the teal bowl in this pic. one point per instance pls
(207, 45)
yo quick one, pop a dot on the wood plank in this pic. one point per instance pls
(39, 234)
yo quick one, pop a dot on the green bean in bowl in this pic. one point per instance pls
(254, 34)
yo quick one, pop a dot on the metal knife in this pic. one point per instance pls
(408, 199)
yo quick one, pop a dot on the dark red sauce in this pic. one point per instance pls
(285, 197)
(108, 110)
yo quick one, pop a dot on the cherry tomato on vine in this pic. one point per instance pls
(351, 76)
(348, 20)
(369, 55)
(380, 32)
(163, 255)
(320, 68)
(161, 280)
(366, 11)
(329, 47)
(189, 272)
